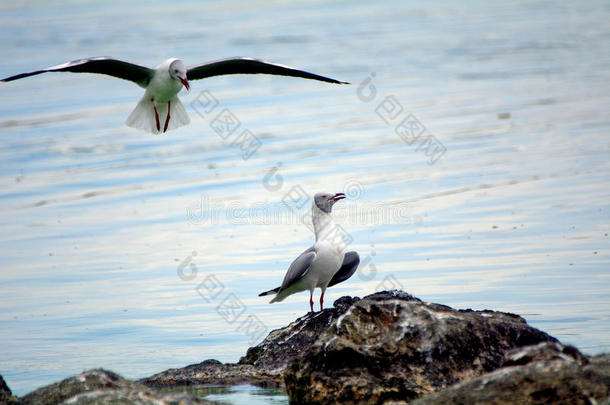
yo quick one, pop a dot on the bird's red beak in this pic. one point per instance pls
(184, 82)
(338, 196)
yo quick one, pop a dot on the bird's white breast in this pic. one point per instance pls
(163, 87)
(327, 263)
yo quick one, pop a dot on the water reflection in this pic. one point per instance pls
(235, 395)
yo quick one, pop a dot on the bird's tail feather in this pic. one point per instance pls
(277, 298)
(143, 116)
(280, 295)
(179, 116)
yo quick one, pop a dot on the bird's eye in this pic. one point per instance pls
(175, 70)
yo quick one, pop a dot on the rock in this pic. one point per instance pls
(104, 387)
(134, 397)
(4, 389)
(6, 396)
(284, 345)
(208, 372)
(547, 373)
(263, 364)
(91, 380)
(393, 346)
(543, 352)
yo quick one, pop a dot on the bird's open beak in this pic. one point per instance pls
(184, 82)
(338, 196)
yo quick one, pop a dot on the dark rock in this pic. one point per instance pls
(283, 345)
(135, 397)
(393, 346)
(4, 389)
(91, 380)
(263, 364)
(548, 373)
(209, 372)
(103, 387)
(6, 396)
(543, 352)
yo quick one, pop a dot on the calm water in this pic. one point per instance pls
(238, 394)
(509, 212)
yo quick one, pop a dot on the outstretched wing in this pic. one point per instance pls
(234, 66)
(140, 75)
(348, 268)
(298, 268)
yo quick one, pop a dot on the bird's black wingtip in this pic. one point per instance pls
(275, 290)
(10, 78)
(335, 81)
(20, 76)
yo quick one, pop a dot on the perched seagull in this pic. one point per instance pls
(163, 83)
(325, 263)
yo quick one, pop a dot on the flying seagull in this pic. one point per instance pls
(160, 103)
(325, 263)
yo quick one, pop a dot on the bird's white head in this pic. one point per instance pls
(177, 71)
(325, 201)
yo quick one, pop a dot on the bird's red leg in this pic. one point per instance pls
(156, 114)
(322, 301)
(169, 105)
(311, 300)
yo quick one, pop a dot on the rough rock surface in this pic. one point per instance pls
(207, 372)
(6, 396)
(134, 397)
(547, 373)
(103, 387)
(393, 346)
(284, 345)
(263, 364)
